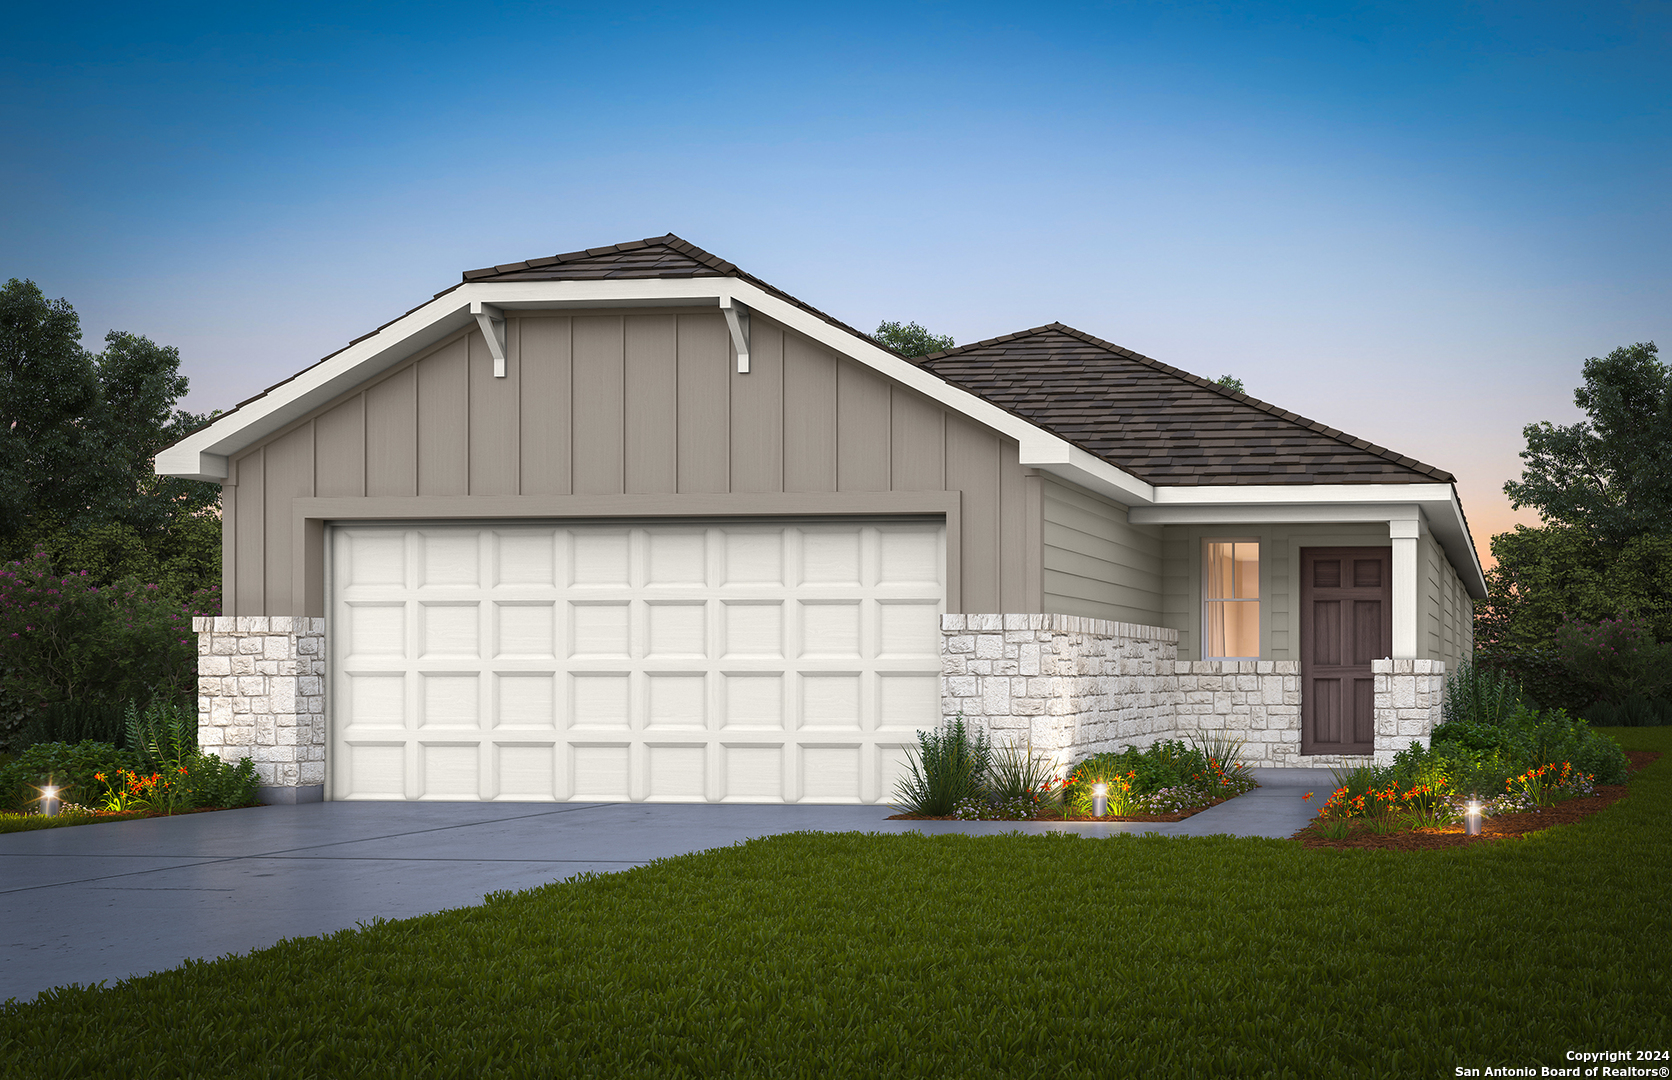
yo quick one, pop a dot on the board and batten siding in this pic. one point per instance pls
(626, 404)
(1096, 563)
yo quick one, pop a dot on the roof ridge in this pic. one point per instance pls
(1247, 399)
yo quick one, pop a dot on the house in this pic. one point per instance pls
(630, 523)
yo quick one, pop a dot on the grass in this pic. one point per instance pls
(10, 823)
(833, 955)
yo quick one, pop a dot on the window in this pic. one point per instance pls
(1231, 601)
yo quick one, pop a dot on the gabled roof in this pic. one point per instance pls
(1163, 425)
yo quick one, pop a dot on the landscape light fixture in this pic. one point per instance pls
(1099, 800)
(49, 802)
(1471, 816)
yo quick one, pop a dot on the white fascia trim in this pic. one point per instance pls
(203, 455)
(1397, 505)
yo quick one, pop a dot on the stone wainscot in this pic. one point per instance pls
(1071, 687)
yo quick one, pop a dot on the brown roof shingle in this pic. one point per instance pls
(1163, 425)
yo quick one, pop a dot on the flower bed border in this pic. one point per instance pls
(1502, 827)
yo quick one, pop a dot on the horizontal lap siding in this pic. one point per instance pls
(1098, 565)
(1445, 614)
(599, 404)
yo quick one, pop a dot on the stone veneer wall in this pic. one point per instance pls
(1071, 687)
(261, 695)
(1409, 697)
(1067, 686)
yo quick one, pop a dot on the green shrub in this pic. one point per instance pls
(221, 784)
(1615, 659)
(65, 638)
(1530, 737)
(76, 721)
(1481, 695)
(950, 765)
(1019, 781)
(68, 766)
(1635, 711)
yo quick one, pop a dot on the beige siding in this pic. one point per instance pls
(619, 404)
(1097, 564)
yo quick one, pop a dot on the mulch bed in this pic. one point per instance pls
(1074, 817)
(1502, 827)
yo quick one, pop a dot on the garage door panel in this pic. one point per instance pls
(600, 628)
(373, 629)
(676, 629)
(525, 771)
(830, 700)
(524, 699)
(524, 559)
(908, 557)
(601, 559)
(753, 661)
(599, 771)
(904, 698)
(753, 773)
(601, 699)
(449, 699)
(449, 559)
(752, 628)
(374, 699)
(450, 770)
(830, 629)
(449, 629)
(371, 559)
(753, 559)
(677, 772)
(676, 559)
(752, 701)
(676, 701)
(525, 630)
(373, 770)
(907, 628)
(830, 773)
(831, 557)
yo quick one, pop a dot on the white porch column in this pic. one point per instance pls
(1404, 536)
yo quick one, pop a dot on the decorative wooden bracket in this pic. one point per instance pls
(737, 321)
(492, 322)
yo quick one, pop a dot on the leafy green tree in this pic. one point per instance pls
(1231, 383)
(78, 432)
(910, 339)
(1611, 473)
(1550, 575)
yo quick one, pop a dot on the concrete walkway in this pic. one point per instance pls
(106, 902)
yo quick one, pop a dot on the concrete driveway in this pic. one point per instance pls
(107, 902)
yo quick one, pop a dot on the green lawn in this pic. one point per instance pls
(820, 955)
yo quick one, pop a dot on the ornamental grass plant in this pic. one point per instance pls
(850, 955)
(950, 766)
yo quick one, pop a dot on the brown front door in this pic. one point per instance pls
(1346, 621)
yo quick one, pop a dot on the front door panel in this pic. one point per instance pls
(1346, 621)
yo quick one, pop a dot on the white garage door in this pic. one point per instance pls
(738, 662)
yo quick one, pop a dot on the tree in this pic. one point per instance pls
(1231, 383)
(1610, 474)
(78, 432)
(910, 339)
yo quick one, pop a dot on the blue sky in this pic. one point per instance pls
(1410, 221)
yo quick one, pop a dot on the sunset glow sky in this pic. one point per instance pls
(1412, 222)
